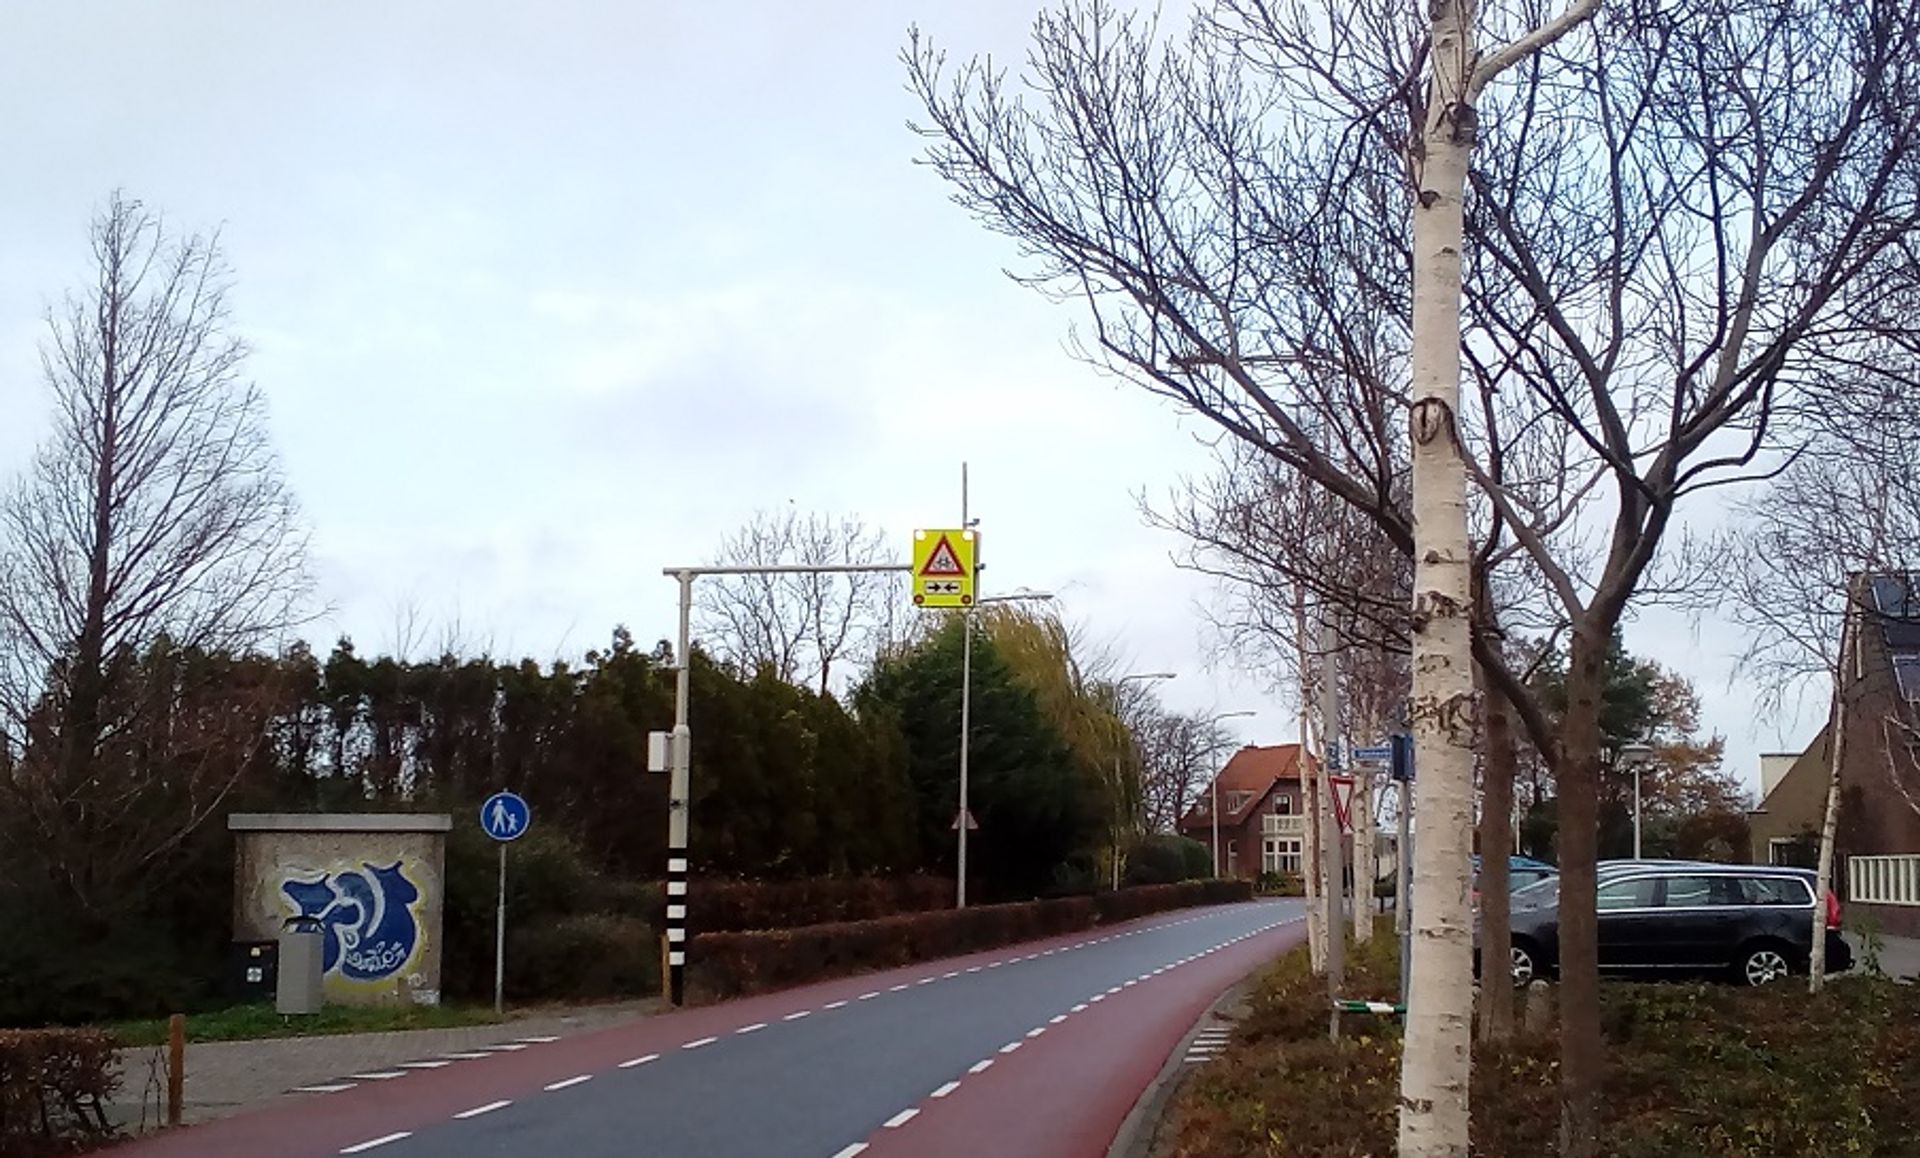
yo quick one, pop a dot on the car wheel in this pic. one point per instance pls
(1764, 964)
(1525, 969)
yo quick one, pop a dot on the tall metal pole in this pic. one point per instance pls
(1636, 810)
(966, 707)
(1403, 881)
(1215, 809)
(500, 940)
(677, 803)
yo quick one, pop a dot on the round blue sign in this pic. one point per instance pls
(505, 816)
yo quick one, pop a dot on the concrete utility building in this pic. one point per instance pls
(373, 881)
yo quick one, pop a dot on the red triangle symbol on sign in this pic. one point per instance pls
(943, 561)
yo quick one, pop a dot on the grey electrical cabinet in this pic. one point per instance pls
(298, 988)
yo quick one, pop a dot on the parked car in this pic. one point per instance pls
(1752, 922)
(1522, 871)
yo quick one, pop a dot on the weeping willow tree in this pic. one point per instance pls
(1087, 705)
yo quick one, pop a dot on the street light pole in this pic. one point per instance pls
(1216, 790)
(1636, 756)
(1119, 819)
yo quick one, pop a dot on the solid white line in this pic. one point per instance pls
(833, 1005)
(1056, 1019)
(943, 1091)
(489, 1108)
(366, 1146)
(332, 1089)
(700, 1042)
(849, 1152)
(902, 1118)
(639, 1061)
(980, 1067)
(797, 1015)
(755, 1027)
(561, 1085)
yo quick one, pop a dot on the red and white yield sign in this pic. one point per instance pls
(1340, 788)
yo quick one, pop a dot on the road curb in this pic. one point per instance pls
(1139, 1133)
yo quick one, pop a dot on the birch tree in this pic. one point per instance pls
(1664, 235)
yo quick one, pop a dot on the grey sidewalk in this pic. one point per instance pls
(1899, 956)
(224, 1078)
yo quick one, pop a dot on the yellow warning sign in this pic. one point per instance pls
(943, 568)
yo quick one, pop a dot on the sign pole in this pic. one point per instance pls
(966, 715)
(505, 817)
(1334, 851)
(500, 941)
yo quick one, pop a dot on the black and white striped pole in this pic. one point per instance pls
(673, 753)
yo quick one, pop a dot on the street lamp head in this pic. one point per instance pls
(1635, 753)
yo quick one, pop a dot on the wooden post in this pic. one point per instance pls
(176, 1067)
(666, 967)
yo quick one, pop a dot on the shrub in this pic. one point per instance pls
(1166, 860)
(1280, 885)
(734, 964)
(722, 906)
(53, 1083)
(583, 956)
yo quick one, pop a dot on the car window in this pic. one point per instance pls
(1701, 892)
(1774, 891)
(1633, 894)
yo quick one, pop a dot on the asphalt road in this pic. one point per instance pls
(1038, 1049)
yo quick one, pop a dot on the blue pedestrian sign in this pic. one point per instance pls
(505, 816)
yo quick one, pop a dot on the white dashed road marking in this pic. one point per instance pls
(561, 1085)
(363, 1147)
(489, 1108)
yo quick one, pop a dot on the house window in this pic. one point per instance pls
(1283, 804)
(1281, 855)
(1233, 856)
(1237, 800)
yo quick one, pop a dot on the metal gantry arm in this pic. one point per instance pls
(678, 786)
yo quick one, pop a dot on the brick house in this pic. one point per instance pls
(1877, 840)
(1263, 823)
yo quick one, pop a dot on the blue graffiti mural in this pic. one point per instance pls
(367, 917)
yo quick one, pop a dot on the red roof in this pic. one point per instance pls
(1254, 770)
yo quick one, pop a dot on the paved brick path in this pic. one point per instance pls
(224, 1078)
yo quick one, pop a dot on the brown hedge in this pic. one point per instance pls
(723, 965)
(53, 1087)
(722, 906)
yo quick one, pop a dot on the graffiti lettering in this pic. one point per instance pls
(367, 918)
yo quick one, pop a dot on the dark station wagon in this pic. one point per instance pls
(1751, 922)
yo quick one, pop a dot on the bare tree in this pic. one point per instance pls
(1845, 511)
(1179, 753)
(1670, 246)
(152, 523)
(810, 628)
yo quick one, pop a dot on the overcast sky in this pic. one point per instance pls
(547, 297)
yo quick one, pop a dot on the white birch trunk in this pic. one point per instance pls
(1310, 781)
(1830, 818)
(1436, 1062)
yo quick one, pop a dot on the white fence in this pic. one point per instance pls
(1883, 880)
